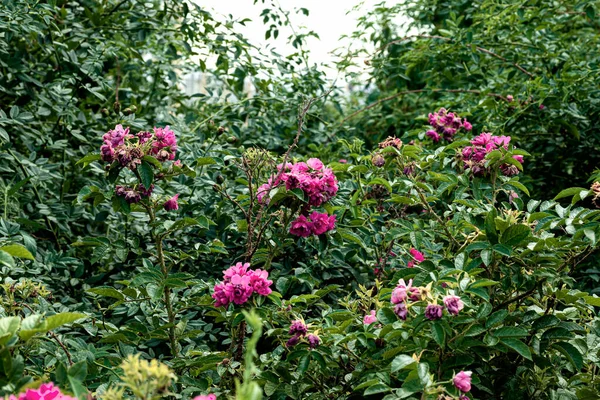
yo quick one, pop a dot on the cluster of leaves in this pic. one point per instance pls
(89, 282)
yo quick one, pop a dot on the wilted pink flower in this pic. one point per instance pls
(313, 340)
(294, 340)
(145, 192)
(130, 195)
(47, 391)
(301, 226)
(446, 124)
(298, 327)
(207, 397)
(172, 204)
(414, 294)
(453, 304)
(509, 98)
(378, 160)
(433, 312)
(370, 318)
(399, 294)
(178, 164)
(542, 106)
(401, 311)
(462, 381)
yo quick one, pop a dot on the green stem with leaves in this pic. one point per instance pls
(167, 292)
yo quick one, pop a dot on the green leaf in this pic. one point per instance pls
(483, 283)
(515, 234)
(592, 300)
(402, 361)
(78, 371)
(146, 174)
(6, 259)
(386, 316)
(438, 332)
(545, 321)
(153, 161)
(496, 318)
(16, 250)
(490, 227)
(87, 160)
(205, 161)
(377, 388)
(571, 352)
(487, 256)
(107, 291)
(510, 331)
(8, 327)
(517, 346)
(57, 320)
(569, 192)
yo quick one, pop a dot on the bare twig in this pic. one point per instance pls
(61, 344)
(355, 113)
(481, 49)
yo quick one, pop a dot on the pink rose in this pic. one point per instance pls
(370, 318)
(462, 381)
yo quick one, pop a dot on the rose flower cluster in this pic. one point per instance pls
(319, 185)
(239, 282)
(474, 156)
(445, 125)
(127, 149)
(404, 292)
(119, 145)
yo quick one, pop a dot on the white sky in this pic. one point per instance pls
(328, 18)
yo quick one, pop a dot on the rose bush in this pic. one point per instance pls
(186, 256)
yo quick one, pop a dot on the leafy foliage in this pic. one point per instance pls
(434, 266)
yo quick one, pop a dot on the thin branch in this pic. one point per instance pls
(61, 344)
(355, 113)
(481, 49)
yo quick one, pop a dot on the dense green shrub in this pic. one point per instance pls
(390, 255)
